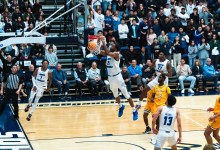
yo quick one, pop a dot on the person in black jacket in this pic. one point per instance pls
(148, 72)
(28, 80)
(127, 78)
(81, 76)
(197, 71)
(7, 64)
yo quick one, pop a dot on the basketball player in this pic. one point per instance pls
(162, 66)
(115, 78)
(40, 84)
(214, 123)
(149, 107)
(168, 114)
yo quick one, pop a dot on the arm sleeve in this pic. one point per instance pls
(76, 76)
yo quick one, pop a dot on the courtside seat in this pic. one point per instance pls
(173, 81)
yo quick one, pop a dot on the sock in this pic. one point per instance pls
(139, 102)
(120, 105)
(134, 109)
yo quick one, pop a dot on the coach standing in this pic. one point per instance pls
(13, 84)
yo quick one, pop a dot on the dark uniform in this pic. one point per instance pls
(13, 82)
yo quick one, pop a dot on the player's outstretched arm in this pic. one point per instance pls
(107, 52)
(155, 116)
(179, 126)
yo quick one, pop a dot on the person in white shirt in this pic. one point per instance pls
(98, 19)
(189, 7)
(167, 116)
(184, 72)
(123, 33)
(183, 17)
(200, 6)
(178, 8)
(167, 10)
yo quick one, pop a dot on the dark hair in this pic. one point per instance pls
(163, 76)
(45, 60)
(171, 100)
(100, 31)
(161, 52)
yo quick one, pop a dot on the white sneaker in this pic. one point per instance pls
(153, 140)
(183, 91)
(190, 91)
(66, 93)
(120, 93)
(129, 93)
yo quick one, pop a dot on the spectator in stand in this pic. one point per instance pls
(24, 6)
(129, 18)
(172, 35)
(179, 7)
(151, 5)
(143, 56)
(30, 14)
(51, 57)
(16, 14)
(148, 72)
(131, 5)
(110, 35)
(121, 7)
(166, 48)
(13, 6)
(190, 29)
(12, 50)
(7, 64)
(8, 25)
(18, 25)
(209, 73)
(202, 24)
(155, 49)
(123, 33)
(105, 4)
(200, 6)
(46, 47)
(208, 34)
(91, 25)
(81, 76)
(184, 40)
(203, 53)
(116, 21)
(192, 53)
(161, 17)
(198, 35)
(136, 73)
(151, 36)
(161, 37)
(131, 55)
(183, 17)
(37, 7)
(212, 24)
(6, 13)
(205, 14)
(176, 23)
(166, 25)
(59, 80)
(144, 26)
(26, 51)
(176, 50)
(127, 78)
(38, 51)
(217, 7)
(108, 21)
(28, 80)
(156, 27)
(94, 76)
(215, 48)
(141, 12)
(167, 10)
(197, 72)
(26, 23)
(98, 19)
(190, 7)
(195, 16)
(184, 72)
(134, 32)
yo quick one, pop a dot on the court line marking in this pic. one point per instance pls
(199, 124)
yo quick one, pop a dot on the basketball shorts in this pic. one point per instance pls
(215, 124)
(163, 137)
(154, 82)
(39, 92)
(149, 107)
(117, 82)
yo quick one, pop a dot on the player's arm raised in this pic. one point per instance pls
(179, 126)
(169, 70)
(155, 116)
(50, 81)
(107, 52)
(34, 79)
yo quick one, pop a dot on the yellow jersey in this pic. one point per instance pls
(149, 95)
(217, 105)
(161, 94)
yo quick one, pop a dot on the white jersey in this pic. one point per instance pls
(41, 78)
(112, 66)
(161, 66)
(167, 119)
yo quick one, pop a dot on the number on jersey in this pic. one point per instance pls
(168, 120)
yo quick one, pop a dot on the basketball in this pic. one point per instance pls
(92, 46)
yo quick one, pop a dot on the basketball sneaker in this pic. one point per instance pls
(29, 117)
(148, 130)
(27, 108)
(153, 140)
(135, 115)
(121, 110)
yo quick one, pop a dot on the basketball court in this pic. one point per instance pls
(91, 125)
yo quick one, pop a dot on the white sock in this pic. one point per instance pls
(134, 109)
(120, 105)
(139, 103)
